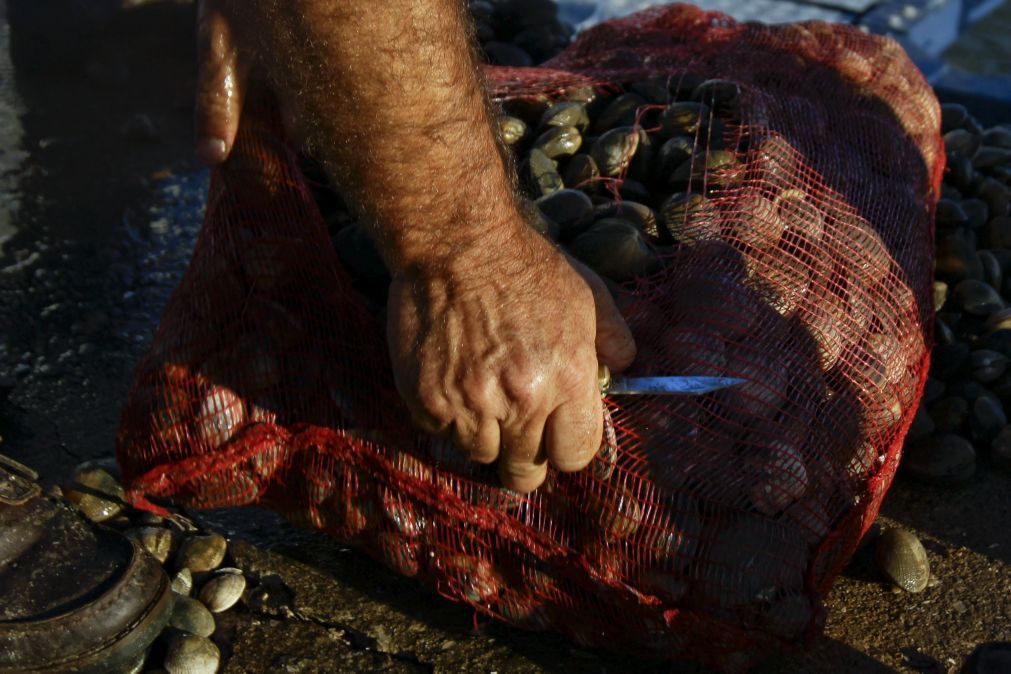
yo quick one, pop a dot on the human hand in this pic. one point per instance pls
(222, 74)
(501, 351)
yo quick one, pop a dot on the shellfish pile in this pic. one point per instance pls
(963, 419)
(518, 33)
(202, 586)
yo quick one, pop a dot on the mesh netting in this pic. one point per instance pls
(705, 523)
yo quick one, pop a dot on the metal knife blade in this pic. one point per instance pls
(615, 385)
(668, 385)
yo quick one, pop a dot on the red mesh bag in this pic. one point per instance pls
(704, 524)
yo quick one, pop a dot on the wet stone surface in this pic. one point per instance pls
(102, 230)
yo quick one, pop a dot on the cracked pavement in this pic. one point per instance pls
(100, 214)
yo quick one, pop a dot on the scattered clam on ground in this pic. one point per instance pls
(202, 588)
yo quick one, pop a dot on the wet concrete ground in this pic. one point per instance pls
(99, 216)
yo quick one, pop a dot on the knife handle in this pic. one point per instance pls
(603, 378)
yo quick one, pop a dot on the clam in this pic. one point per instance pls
(613, 151)
(685, 118)
(223, 589)
(477, 580)
(755, 221)
(581, 172)
(189, 615)
(172, 410)
(96, 493)
(690, 217)
(614, 248)
(602, 466)
(987, 365)
(158, 541)
(619, 112)
(541, 173)
(949, 213)
(191, 654)
(987, 418)
(511, 129)
(566, 113)
(401, 512)
(570, 209)
(800, 216)
(962, 142)
(778, 479)
(721, 95)
(221, 414)
(901, 557)
(671, 155)
(202, 552)
(946, 459)
(993, 275)
(715, 168)
(673, 540)
(1000, 449)
(922, 426)
(559, 142)
(872, 260)
(620, 513)
(182, 582)
(640, 215)
(523, 610)
(399, 553)
(977, 298)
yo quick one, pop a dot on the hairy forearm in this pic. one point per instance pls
(390, 96)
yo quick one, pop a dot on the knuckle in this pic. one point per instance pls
(469, 441)
(479, 392)
(433, 403)
(525, 390)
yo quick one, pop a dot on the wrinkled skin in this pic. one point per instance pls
(494, 335)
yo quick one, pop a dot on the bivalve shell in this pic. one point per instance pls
(189, 615)
(158, 541)
(202, 552)
(221, 414)
(901, 557)
(182, 582)
(944, 460)
(96, 493)
(191, 654)
(223, 589)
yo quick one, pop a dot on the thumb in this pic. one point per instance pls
(221, 83)
(615, 344)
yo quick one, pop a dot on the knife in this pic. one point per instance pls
(615, 385)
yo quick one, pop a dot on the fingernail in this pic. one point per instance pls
(211, 151)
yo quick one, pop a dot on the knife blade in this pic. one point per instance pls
(616, 385)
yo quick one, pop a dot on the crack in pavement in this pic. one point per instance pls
(355, 639)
